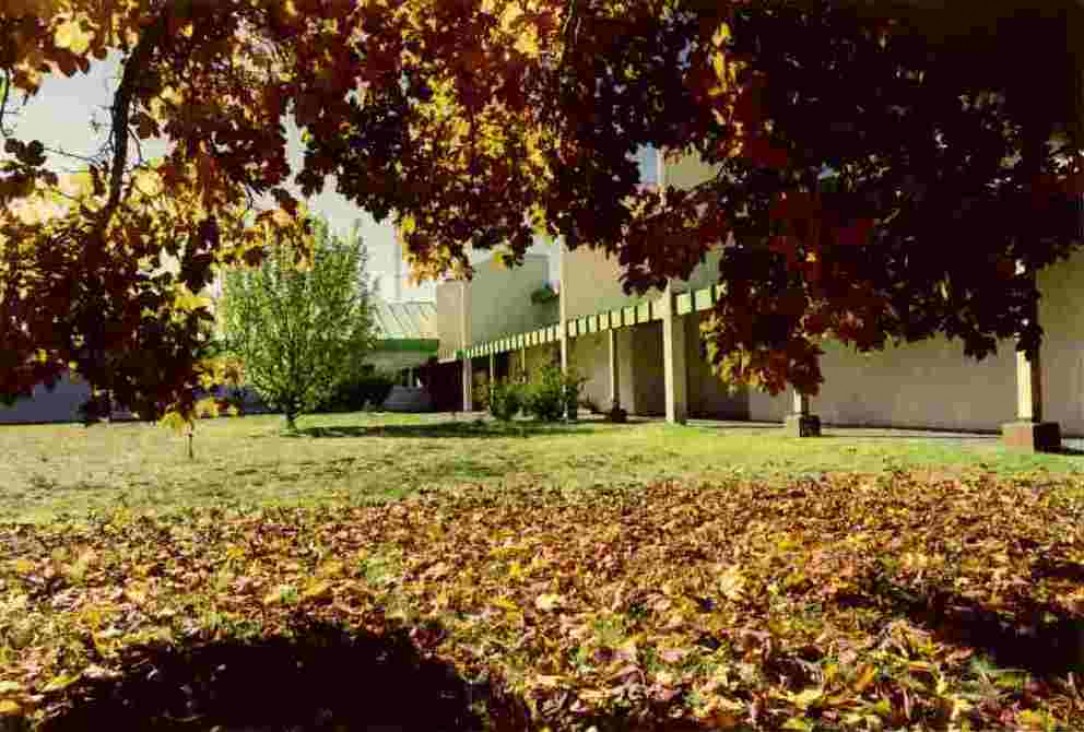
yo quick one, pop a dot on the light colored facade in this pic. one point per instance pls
(61, 404)
(930, 384)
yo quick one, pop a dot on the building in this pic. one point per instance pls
(406, 335)
(645, 354)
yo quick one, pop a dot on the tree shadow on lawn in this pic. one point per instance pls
(1036, 637)
(445, 429)
(323, 677)
(320, 677)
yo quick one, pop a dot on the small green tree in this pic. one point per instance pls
(300, 329)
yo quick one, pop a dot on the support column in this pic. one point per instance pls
(616, 414)
(563, 307)
(673, 360)
(801, 422)
(492, 369)
(1029, 431)
(468, 403)
(464, 336)
(523, 363)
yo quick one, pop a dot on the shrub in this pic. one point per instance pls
(570, 394)
(505, 400)
(363, 391)
(480, 390)
(546, 396)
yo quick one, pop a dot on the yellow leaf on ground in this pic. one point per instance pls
(547, 602)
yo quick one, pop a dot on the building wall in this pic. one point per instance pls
(929, 384)
(59, 405)
(1061, 313)
(590, 358)
(501, 298)
(708, 396)
(688, 172)
(648, 387)
(500, 302)
(932, 384)
(449, 296)
(592, 283)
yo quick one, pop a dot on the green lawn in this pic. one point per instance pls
(361, 458)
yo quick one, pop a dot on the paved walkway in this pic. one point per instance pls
(1074, 444)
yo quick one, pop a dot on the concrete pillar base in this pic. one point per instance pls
(802, 425)
(1032, 436)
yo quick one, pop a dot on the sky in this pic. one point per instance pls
(62, 117)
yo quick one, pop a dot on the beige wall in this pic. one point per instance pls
(592, 283)
(449, 324)
(590, 358)
(500, 302)
(1061, 313)
(648, 381)
(708, 395)
(932, 384)
(501, 298)
(929, 384)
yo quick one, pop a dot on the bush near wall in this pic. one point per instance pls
(358, 392)
(505, 400)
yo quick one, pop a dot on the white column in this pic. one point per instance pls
(523, 362)
(1029, 388)
(615, 372)
(464, 335)
(563, 306)
(673, 360)
(492, 369)
(468, 403)
(800, 404)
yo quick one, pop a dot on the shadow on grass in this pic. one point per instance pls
(444, 429)
(322, 677)
(1036, 637)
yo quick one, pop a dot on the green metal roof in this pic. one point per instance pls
(410, 321)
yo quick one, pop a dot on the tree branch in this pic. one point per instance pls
(122, 104)
(4, 102)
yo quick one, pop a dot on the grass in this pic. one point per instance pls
(362, 458)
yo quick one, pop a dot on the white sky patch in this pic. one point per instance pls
(63, 116)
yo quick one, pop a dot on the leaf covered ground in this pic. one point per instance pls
(882, 602)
